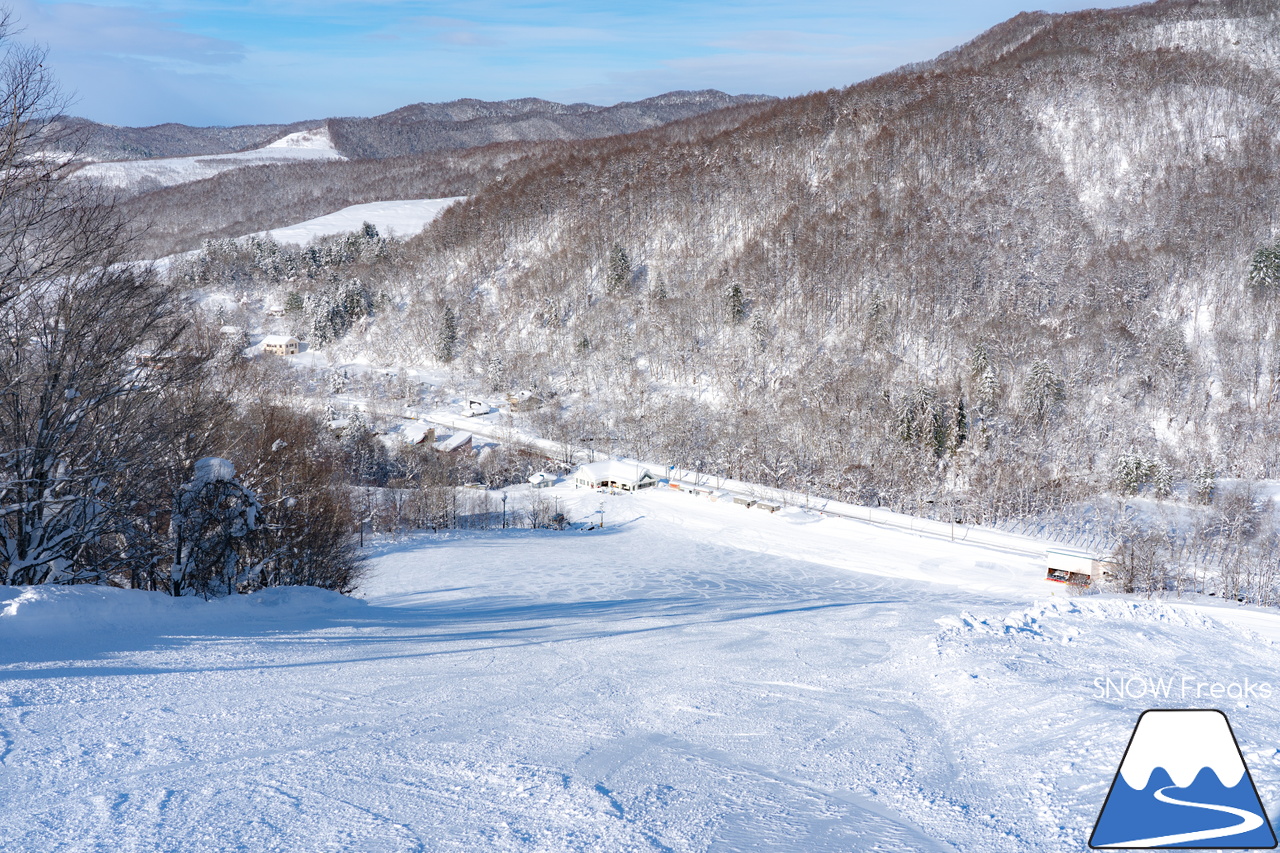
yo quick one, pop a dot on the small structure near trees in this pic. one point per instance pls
(525, 401)
(542, 480)
(613, 474)
(416, 434)
(1077, 568)
(459, 442)
(280, 345)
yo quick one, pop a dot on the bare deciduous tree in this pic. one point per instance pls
(87, 349)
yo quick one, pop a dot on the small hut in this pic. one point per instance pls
(1077, 568)
(280, 345)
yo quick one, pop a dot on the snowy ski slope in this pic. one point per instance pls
(171, 171)
(393, 218)
(696, 676)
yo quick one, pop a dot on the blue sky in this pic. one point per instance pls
(142, 62)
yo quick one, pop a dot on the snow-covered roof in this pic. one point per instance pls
(542, 477)
(278, 340)
(613, 470)
(453, 442)
(414, 432)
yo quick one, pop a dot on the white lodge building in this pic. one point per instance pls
(280, 345)
(612, 474)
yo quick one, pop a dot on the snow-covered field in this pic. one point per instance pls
(393, 219)
(171, 171)
(693, 677)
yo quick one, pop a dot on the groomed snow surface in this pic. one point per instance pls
(161, 172)
(393, 219)
(693, 677)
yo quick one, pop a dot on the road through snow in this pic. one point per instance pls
(651, 686)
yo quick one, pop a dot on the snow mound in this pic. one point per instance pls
(1051, 620)
(213, 469)
(71, 611)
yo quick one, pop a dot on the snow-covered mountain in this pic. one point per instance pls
(989, 285)
(1032, 279)
(413, 129)
(139, 176)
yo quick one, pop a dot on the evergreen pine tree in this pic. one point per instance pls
(619, 269)
(447, 336)
(1044, 391)
(1264, 271)
(988, 389)
(1202, 484)
(736, 303)
(960, 431)
(659, 287)
(355, 299)
(760, 332)
(493, 372)
(921, 421)
(979, 361)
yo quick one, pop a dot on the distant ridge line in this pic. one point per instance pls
(414, 128)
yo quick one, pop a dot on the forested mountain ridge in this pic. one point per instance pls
(111, 142)
(1060, 236)
(414, 129)
(990, 286)
(467, 124)
(256, 198)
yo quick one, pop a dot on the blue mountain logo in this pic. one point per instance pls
(1183, 784)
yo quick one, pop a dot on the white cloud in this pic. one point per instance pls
(82, 28)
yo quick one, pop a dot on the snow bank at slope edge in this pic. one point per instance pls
(36, 610)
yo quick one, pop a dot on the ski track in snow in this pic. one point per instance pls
(694, 677)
